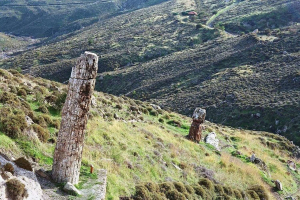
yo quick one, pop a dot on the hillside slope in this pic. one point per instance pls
(160, 54)
(138, 144)
(51, 18)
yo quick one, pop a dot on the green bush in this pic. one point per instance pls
(260, 191)
(165, 187)
(14, 124)
(189, 189)
(42, 133)
(22, 92)
(180, 187)
(43, 109)
(161, 120)
(253, 195)
(200, 191)
(152, 187)
(206, 183)
(173, 194)
(142, 193)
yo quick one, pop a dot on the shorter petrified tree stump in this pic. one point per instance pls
(196, 127)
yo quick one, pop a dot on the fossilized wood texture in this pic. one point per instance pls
(68, 151)
(196, 127)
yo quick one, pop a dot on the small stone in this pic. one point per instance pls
(6, 175)
(291, 165)
(71, 189)
(42, 174)
(29, 121)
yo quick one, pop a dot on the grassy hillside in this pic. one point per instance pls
(234, 79)
(143, 147)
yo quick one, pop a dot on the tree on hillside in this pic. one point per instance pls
(69, 146)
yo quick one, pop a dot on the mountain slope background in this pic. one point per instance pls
(160, 54)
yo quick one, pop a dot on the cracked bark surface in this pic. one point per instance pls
(70, 141)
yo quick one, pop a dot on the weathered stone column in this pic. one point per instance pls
(68, 150)
(196, 127)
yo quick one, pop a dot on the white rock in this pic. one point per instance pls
(28, 178)
(156, 107)
(70, 188)
(278, 185)
(211, 138)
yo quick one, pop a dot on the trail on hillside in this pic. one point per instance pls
(213, 18)
(210, 22)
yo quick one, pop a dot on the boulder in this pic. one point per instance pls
(156, 107)
(71, 189)
(278, 185)
(25, 177)
(93, 102)
(292, 165)
(211, 138)
(29, 121)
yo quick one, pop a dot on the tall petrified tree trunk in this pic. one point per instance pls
(68, 151)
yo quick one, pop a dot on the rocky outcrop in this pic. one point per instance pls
(68, 151)
(211, 139)
(31, 189)
(195, 132)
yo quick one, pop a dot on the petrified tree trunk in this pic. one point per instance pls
(68, 151)
(196, 127)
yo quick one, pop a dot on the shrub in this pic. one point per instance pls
(260, 191)
(238, 194)
(206, 183)
(157, 196)
(180, 187)
(154, 113)
(43, 109)
(14, 124)
(219, 189)
(174, 123)
(200, 191)
(118, 106)
(189, 189)
(47, 119)
(152, 187)
(16, 189)
(42, 133)
(40, 120)
(22, 92)
(55, 123)
(141, 193)
(228, 190)
(252, 194)
(9, 168)
(173, 194)
(165, 187)
(161, 120)
(23, 163)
